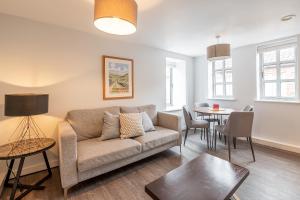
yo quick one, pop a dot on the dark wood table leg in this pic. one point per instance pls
(47, 163)
(10, 167)
(16, 184)
(37, 184)
(17, 179)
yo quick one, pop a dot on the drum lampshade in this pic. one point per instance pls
(26, 104)
(117, 17)
(218, 52)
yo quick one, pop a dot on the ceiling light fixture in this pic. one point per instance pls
(117, 17)
(287, 17)
(218, 51)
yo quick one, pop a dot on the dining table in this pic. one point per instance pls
(216, 115)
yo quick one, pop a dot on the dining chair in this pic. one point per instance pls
(239, 124)
(191, 123)
(247, 108)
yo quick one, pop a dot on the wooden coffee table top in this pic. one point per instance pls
(204, 178)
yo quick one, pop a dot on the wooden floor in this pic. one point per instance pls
(274, 176)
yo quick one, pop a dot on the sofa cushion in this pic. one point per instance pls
(111, 126)
(157, 138)
(149, 109)
(88, 123)
(93, 153)
(147, 122)
(131, 125)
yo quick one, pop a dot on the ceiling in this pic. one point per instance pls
(182, 26)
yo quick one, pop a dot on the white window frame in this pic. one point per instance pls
(277, 46)
(174, 63)
(214, 83)
(171, 85)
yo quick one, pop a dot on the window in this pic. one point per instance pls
(220, 79)
(175, 84)
(278, 78)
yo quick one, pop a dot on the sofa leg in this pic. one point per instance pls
(66, 193)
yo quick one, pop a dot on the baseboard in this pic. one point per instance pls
(38, 167)
(277, 145)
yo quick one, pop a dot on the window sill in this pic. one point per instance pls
(222, 99)
(173, 109)
(277, 101)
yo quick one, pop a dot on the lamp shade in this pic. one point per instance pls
(26, 104)
(117, 17)
(218, 52)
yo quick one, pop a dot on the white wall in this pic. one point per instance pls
(275, 124)
(66, 64)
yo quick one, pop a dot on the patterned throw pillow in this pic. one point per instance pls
(147, 122)
(131, 125)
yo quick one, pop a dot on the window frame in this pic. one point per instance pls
(175, 64)
(171, 85)
(278, 65)
(223, 70)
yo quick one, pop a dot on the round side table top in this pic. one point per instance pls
(25, 148)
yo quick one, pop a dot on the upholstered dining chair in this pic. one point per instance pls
(191, 123)
(239, 124)
(247, 108)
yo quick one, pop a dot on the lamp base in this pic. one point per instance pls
(29, 137)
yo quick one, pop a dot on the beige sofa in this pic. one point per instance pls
(83, 155)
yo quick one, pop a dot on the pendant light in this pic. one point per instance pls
(117, 17)
(218, 51)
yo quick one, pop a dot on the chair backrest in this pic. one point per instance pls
(239, 124)
(248, 108)
(187, 116)
(197, 105)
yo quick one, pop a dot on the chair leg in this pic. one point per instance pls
(195, 130)
(225, 139)
(251, 145)
(229, 151)
(206, 130)
(66, 193)
(201, 134)
(186, 133)
(215, 137)
(234, 142)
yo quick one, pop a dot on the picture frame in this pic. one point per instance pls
(118, 78)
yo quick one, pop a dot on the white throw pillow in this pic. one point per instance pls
(131, 125)
(147, 122)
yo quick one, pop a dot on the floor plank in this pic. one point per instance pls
(275, 175)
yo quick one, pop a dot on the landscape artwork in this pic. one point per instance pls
(118, 78)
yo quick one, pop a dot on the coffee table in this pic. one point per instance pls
(204, 178)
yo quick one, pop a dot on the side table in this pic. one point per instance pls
(25, 149)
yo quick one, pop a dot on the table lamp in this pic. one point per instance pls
(27, 131)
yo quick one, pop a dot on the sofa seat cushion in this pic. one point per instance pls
(93, 153)
(157, 138)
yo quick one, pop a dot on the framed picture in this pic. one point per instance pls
(117, 78)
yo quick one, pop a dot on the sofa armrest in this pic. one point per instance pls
(67, 142)
(170, 121)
